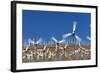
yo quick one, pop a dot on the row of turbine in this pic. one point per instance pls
(64, 37)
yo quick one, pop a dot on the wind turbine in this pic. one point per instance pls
(28, 44)
(35, 43)
(57, 43)
(88, 37)
(29, 41)
(73, 33)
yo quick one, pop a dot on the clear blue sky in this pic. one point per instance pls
(46, 24)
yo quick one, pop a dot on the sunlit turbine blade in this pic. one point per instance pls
(62, 41)
(54, 39)
(74, 26)
(88, 38)
(67, 35)
(29, 41)
(39, 41)
(78, 38)
(33, 42)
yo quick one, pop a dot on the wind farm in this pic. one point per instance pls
(69, 48)
(50, 36)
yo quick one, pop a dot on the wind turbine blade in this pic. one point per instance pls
(54, 39)
(78, 38)
(39, 41)
(74, 26)
(33, 42)
(67, 35)
(62, 41)
(88, 38)
(29, 41)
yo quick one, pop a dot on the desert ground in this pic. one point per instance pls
(55, 52)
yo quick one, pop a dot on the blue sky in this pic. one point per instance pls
(46, 24)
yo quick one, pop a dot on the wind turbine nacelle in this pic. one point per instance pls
(73, 33)
(35, 44)
(58, 43)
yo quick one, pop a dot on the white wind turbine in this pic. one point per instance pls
(36, 42)
(88, 36)
(57, 42)
(28, 45)
(57, 46)
(73, 33)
